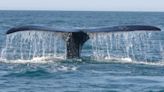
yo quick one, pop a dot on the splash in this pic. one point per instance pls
(127, 46)
(45, 47)
(34, 46)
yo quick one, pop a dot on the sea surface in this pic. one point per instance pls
(139, 67)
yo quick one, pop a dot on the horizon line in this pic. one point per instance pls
(79, 10)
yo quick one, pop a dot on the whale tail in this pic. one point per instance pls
(77, 37)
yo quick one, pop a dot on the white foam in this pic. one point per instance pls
(122, 59)
(35, 60)
(126, 59)
(66, 68)
(161, 63)
(62, 68)
(48, 58)
(130, 61)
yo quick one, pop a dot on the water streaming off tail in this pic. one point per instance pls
(136, 46)
(129, 46)
(33, 45)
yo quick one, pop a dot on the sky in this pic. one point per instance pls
(83, 5)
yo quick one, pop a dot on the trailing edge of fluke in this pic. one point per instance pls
(79, 36)
(125, 28)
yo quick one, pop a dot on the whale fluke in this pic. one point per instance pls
(125, 28)
(77, 37)
(37, 28)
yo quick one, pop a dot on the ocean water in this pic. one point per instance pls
(113, 62)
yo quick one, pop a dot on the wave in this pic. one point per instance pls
(130, 61)
(28, 73)
(48, 59)
(42, 60)
(38, 70)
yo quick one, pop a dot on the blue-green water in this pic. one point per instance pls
(86, 75)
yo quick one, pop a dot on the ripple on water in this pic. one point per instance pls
(37, 69)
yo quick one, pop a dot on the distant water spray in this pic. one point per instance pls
(33, 45)
(136, 46)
